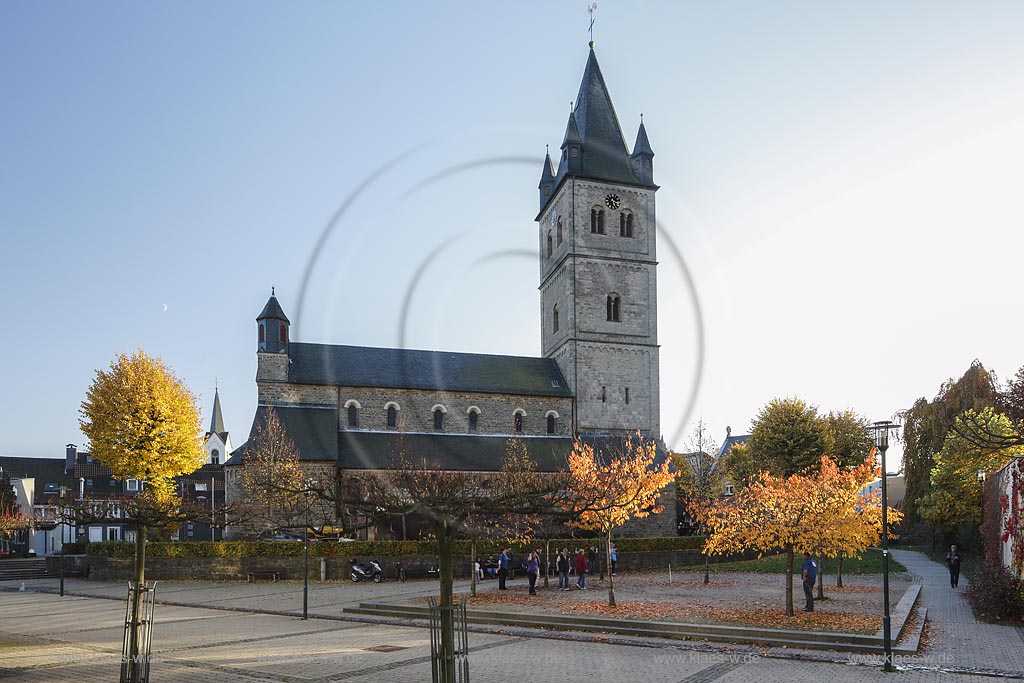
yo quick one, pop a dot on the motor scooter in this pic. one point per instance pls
(366, 571)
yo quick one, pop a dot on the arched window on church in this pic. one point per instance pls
(517, 421)
(550, 246)
(625, 224)
(392, 416)
(284, 334)
(438, 419)
(597, 221)
(263, 334)
(551, 423)
(474, 419)
(614, 308)
(554, 318)
(353, 416)
(215, 457)
(558, 234)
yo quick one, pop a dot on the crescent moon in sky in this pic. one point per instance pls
(165, 308)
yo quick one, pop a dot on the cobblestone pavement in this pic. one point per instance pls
(47, 638)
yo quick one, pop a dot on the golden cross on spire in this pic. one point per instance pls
(591, 9)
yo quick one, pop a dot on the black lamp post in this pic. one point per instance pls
(881, 430)
(61, 521)
(981, 482)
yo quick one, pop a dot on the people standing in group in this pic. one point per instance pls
(533, 570)
(613, 556)
(478, 569)
(503, 562)
(563, 564)
(953, 562)
(809, 573)
(581, 570)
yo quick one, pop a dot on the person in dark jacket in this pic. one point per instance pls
(503, 561)
(562, 564)
(809, 573)
(532, 571)
(591, 560)
(953, 562)
(581, 570)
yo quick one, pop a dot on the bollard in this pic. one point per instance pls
(670, 575)
(323, 568)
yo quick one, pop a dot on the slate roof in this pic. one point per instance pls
(314, 431)
(217, 422)
(273, 310)
(731, 441)
(475, 452)
(363, 366)
(43, 470)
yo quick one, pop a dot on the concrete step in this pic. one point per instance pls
(843, 642)
(16, 569)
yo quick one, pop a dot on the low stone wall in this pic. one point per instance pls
(337, 568)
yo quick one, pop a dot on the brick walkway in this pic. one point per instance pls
(955, 636)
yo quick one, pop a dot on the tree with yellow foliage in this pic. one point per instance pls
(143, 423)
(608, 489)
(821, 510)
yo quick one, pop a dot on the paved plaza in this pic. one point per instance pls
(210, 634)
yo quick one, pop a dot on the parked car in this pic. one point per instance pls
(280, 535)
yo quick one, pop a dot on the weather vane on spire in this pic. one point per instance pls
(591, 9)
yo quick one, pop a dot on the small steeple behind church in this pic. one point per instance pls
(217, 422)
(273, 327)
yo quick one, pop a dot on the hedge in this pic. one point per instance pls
(371, 548)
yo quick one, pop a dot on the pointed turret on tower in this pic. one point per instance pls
(642, 157)
(547, 179)
(273, 327)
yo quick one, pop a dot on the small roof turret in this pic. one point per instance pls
(273, 310)
(643, 145)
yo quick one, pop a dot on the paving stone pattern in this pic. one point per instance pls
(47, 638)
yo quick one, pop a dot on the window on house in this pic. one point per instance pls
(550, 246)
(112, 483)
(215, 456)
(262, 334)
(554, 318)
(201, 487)
(131, 484)
(353, 416)
(558, 234)
(438, 420)
(517, 423)
(88, 482)
(614, 308)
(474, 420)
(551, 424)
(728, 490)
(392, 417)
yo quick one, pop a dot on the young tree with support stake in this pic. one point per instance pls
(143, 423)
(607, 490)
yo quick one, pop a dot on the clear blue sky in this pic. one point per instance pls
(841, 179)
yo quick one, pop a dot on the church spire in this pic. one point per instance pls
(547, 179)
(642, 157)
(217, 423)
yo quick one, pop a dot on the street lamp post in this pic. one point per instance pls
(61, 520)
(305, 550)
(981, 482)
(881, 430)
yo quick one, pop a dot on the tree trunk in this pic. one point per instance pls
(445, 548)
(789, 581)
(547, 560)
(707, 572)
(839, 573)
(821, 572)
(611, 579)
(134, 638)
(472, 567)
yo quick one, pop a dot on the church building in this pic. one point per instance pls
(355, 408)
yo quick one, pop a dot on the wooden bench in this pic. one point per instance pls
(77, 570)
(273, 576)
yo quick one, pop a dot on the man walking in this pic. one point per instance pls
(953, 562)
(809, 573)
(563, 570)
(503, 560)
(581, 570)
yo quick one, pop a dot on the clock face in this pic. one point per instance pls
(612, 201)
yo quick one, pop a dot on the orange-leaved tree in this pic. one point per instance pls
(608, 489)
(821, 510)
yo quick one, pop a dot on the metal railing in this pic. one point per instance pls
(135, 665)
(453, 666)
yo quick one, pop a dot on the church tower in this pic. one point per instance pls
(598, 267)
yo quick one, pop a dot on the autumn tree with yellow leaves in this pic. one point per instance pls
(821, 510)
(143, 423)
(607, 489)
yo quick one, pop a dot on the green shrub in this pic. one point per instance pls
(995, 593)
(372, 548)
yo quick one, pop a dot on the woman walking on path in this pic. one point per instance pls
(953, 562)
(532, 570)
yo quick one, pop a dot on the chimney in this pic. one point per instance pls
(70, 457)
